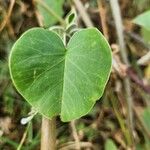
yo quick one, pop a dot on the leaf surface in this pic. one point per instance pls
(57, 79)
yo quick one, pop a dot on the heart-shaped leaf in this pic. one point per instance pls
(59, 80)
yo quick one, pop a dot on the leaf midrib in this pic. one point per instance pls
(65, 57)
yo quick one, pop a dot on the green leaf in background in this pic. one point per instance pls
(145, 118)
(143, 20)
(110, 145)
(57, 79)
(50, 11)
(146, 123)
(146, 35)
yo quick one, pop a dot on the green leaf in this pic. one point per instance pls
(146, 118)
(50, 11)
(146, 123)
(57, 79)
(143, 20)
(146, 35)
(71, 17)
(110, 145)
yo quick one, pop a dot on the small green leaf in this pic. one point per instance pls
(71, 17)
(143, 20)
(110, 145)
(50, 10)
(57, 79)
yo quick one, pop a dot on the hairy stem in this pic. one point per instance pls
(102, 14)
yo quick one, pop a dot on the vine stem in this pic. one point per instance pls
(48, 134)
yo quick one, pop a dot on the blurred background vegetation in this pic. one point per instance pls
(121, 119)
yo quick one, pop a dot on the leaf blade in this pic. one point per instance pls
(58, 80)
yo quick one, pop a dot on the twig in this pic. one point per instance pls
(144, 59)
(5, 20)
(134, 36)
(134, 77)
(71, 145)
(119, 27)
(39, 18)
(144, 128)
(23, 138)
(48, 134)
(85, 17)
(143, 94)
(100, 118)
(75, 135)
(102, 13)
(121, 121)
(137, 38)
